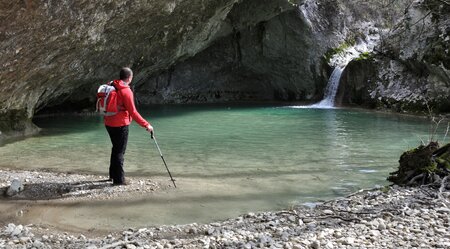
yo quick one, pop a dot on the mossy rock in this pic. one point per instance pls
(424, 163)
(15, 123)
(340, 49)
(442, 157)
(364, 56)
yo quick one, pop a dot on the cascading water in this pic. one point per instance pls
(310, 12)
(340, 61)
(331, 90)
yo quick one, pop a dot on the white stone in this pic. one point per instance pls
(38, 244)
(315, 244)
(443, 210)
(381, 226)
(337, 234)
(130, 246)
(24, 239)
(15, 188)
(349, 241)
(291, 218)
(17, 230)
(327, 212)
(375, 233)
(10, 228)
(439, 230)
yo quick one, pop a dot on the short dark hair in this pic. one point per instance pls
(125, 73)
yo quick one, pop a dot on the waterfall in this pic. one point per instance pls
(311, 14)
(340, 61)
(331, 90)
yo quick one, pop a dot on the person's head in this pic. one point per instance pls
(126, 75)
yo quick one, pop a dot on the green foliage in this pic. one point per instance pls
(364, 56)
(385, 189)
(441, 160)
(334, 51)
(432, 168)
(293, 2)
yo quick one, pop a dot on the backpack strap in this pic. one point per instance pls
(111, 83)
(118, 90)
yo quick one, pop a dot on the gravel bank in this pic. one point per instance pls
(394, 217)
(41, 185)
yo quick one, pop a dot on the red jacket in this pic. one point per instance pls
(127, 109)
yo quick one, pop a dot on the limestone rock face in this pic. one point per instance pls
(62, 44)
(269, 61)
(356, 82)
(57, 52)
(411, 67)
(268, 55)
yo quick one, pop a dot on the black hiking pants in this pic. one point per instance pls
(119, 140)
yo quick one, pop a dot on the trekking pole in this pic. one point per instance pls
(164, 161)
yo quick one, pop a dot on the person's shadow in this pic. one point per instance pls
(55, 190)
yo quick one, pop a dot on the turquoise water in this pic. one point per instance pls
(229, 160)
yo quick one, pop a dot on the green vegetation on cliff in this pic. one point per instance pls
(338, 50)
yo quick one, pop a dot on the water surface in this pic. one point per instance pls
(227, 160)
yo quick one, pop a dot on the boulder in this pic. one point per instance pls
(15, 188)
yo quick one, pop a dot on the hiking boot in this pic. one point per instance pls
(124, 183)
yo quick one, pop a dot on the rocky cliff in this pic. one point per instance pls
(410, 69)
(56, 53)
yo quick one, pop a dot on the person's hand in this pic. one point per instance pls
(149, 128)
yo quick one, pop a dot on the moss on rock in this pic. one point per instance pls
(340, 49)
(16, 122)
(422, 165)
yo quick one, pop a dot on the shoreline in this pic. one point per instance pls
(46, 185)
(389, 217)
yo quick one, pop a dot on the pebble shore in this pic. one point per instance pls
(42, 185)
(389, 217)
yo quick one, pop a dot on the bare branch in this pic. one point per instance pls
(389, 3)
(446, 132)
(415, 178)
(444, 2)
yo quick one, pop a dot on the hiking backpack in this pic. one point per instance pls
(107, 100)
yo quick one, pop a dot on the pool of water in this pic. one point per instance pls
(227, 160)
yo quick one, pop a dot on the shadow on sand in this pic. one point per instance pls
(56, 190)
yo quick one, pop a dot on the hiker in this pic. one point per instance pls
(117, 125)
